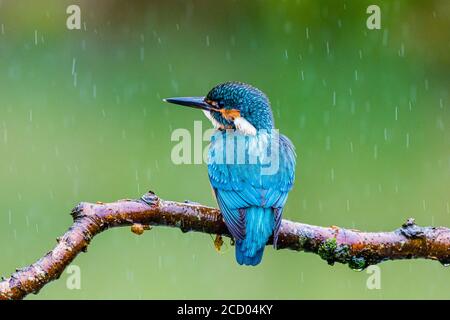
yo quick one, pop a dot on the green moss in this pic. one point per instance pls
(301, 242)
(327, 250)
(357, 263)
(333, 252)
(342, 253)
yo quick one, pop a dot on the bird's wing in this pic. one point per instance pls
(239, 186)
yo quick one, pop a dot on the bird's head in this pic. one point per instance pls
(233, 105)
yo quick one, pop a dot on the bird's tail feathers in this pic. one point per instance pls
(259, 224)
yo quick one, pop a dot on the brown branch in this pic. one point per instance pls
(357, 249)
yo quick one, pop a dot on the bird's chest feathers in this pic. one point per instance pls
(231, 147)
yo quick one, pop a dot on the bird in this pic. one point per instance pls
(250, 195)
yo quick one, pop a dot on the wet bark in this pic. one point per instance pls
(356, 248)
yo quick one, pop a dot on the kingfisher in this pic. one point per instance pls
(251, 176)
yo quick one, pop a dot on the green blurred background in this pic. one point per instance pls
(81, 119)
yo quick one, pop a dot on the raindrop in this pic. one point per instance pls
(401, 52)
(304, 204)
(385, 37)
(407, 140)
(307, 33)
(334, 98)
(445, 263)
(5, 134)
(327, 143)
(233, 41)
(73, 65)
(3, 28)
(287, 27)
(35, 37)
(302, 121)
(357, 263)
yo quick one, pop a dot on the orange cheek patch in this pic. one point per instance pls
(230, 114)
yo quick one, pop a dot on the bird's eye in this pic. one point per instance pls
(221, 103)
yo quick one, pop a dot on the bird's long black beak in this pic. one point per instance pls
(193, 102)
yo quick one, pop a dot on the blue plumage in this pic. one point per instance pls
(251, 166)
(259, 226)
(251, 202)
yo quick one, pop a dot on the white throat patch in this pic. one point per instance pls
(215, 123)
(241, 124)
(244, 126)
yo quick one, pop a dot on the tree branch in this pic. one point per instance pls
(333, 244)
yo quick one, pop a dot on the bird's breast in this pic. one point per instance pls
(230, 147)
